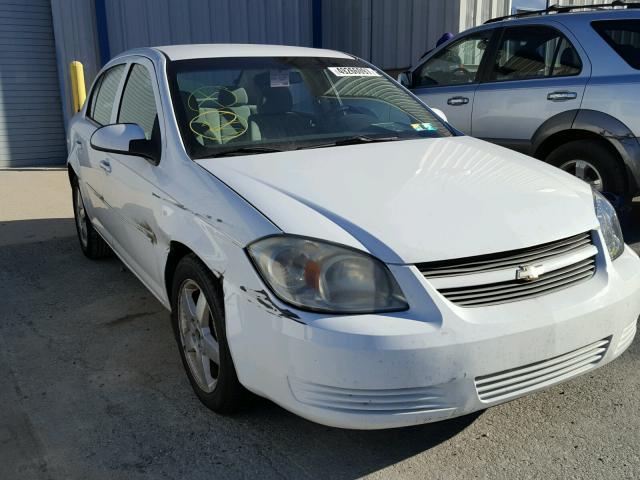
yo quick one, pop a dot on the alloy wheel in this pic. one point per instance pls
(81, 218)
(586, 171)
(198, 335)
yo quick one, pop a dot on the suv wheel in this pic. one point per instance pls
(91, 243)
(197, 316)
(592, 162)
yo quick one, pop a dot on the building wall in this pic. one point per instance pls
(393, 34)
(74, 26)
(141, 23)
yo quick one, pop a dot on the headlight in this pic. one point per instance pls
(609, 225)
(319, 276)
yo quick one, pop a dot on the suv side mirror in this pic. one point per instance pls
(404, 79)
(125, 139)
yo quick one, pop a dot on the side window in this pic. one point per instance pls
(624, 37)
(534, 52)
(458, 64)
(138, 102)
(104, 95)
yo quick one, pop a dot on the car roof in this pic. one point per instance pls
(574, 16)
(221, 50)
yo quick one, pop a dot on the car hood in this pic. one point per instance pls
(413, 201)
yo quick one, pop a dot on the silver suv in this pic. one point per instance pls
(561, 85)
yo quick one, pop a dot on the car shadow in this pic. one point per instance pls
(90, 350)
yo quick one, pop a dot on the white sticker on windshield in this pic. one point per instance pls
(353, 72)
(279, 78)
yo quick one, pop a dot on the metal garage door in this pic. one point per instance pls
(31, 128)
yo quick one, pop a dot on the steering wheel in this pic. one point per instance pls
(462, 73)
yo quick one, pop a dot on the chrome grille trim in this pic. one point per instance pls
(516, 290)
(493, 279)
(513, 258)
(518, 381)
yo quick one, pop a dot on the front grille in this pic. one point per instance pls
(498, 261)
(355, 400)
(492, 279)
(518, 381)
(515, 290)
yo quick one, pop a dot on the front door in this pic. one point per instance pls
(448, 79)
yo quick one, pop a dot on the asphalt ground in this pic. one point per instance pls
(91, 387)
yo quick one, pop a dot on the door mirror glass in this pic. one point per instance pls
(457, 64)
(404, 79)
(124, 138)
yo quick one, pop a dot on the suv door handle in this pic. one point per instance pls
(105, 165)
(455, 101)
(562, 96)
(79, 146)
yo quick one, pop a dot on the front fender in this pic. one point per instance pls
(609, 128)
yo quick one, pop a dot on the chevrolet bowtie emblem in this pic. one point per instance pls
(529, 272)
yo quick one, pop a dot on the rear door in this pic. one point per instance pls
(92, 173)
(536, 73)
(449, 78)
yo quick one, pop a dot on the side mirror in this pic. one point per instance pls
(404, 79)
(125, 139)
(440, 114)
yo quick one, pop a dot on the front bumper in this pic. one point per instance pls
(435, 361)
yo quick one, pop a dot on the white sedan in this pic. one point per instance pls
(324, 240)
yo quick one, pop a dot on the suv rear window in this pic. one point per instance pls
(623, 36)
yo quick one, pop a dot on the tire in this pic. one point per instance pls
(198, 334)
(601, 167)
(91, 243)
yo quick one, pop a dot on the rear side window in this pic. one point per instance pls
(138, 102)
(624, 37)
(534, 52)
(104, 95)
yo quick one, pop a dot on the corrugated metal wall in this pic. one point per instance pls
(31, 127)
(138, 23)
(393, 34)
(74, 26)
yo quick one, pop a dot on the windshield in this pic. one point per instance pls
(254, 105)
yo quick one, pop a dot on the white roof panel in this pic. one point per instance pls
(221, 50)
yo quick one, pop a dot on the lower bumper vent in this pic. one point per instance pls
(518, 381)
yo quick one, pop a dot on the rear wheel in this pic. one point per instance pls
(197, 314)
(91, 243)
(592, 162)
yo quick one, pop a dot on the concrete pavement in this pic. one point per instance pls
(92, 387)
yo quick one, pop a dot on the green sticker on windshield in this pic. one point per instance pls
(423, 127)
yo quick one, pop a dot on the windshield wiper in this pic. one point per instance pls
(355, 140)
(232, 152)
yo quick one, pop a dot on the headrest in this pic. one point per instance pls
(569, 58)
(276, 100)
(233, 98)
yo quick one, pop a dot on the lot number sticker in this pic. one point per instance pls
(353, 72)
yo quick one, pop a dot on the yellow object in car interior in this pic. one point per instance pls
(78, 89)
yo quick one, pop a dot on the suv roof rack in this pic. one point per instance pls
(567, 9)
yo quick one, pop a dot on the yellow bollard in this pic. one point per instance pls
(78, 89)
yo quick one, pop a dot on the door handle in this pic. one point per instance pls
(105, 165)
(562, 96)
(455, 101)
